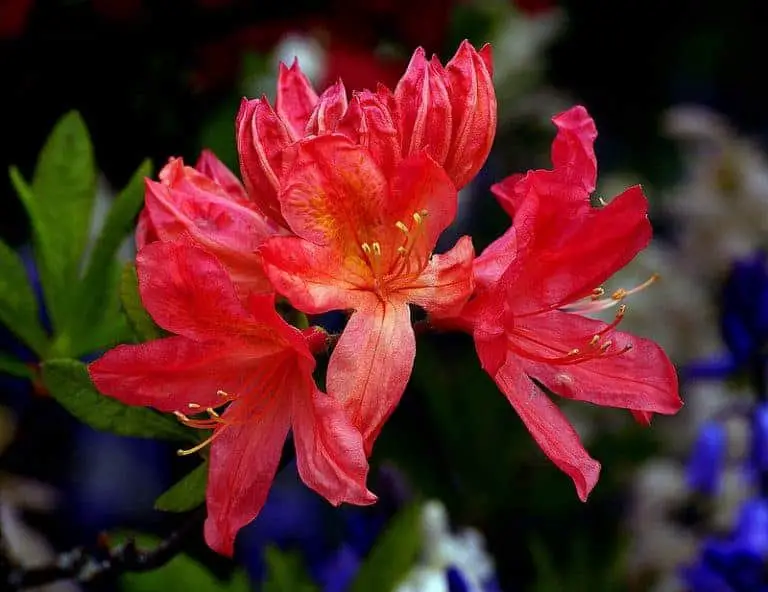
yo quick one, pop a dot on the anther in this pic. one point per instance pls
(417, 218)
(402, 251)
(594, 341)
(377, 249)
(598, 293)
(366, 248)
(574, 352)
(606, 345)
(193, 406)
(402, 227)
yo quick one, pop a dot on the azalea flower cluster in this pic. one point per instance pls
(342, 202)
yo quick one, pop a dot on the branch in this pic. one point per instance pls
(85, 566)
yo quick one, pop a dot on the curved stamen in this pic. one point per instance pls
(594, 302)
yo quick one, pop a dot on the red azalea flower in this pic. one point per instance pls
(363, 242)
(248, 359)
(208, 204)
(532, 285)
(448, 112)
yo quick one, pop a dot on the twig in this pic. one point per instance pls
(84, 565)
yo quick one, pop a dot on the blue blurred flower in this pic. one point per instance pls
(705, 465)
(743, 323)
(744, 320)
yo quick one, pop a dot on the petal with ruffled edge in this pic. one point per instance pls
(446, 283)
(370, 123)
(641, 379)
(329, 450)
(473, 110)
(552, 272)
(243, 462)
(328, 111)
(419, 187)
(314, 278)
(548, 426)
(262, 139)
(334, 193)
(424, 108)
(574, 176)
(371, 365)
(296, 99)
(212, 167)
(573, 149)
(187, 291)
(169, 374)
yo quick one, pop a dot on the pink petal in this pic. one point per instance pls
(262, 141)
(296, 99)
(169, 374)
(424, 108)
(641, 379)
(566, 260)
(473, 111)
(420, 185)
(573, 148)
(549, 427)
(329, 110)
(334, 193)
(329, 450)
(243, 462)
(314, 278)
(371, 365)
(187, 291)
(446, 284)
(370, 123)
(212, 167)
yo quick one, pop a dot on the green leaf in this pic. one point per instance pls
(393, 554)
(119, 222)
(69, 383)
(18, 305)
(180, 573)
(65, 183)
(286, 572)
(143, 325)
(99, 290)
(14, 367)
(186, 494)
(59, 203)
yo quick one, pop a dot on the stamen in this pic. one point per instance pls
(366, 248)
(621, 293)
(595, 303)
(377, 249)
(193, 406)
(197, 448)
(417, 218)
(402, 227)
(594, 341)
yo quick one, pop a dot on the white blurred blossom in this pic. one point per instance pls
(442, 549)
(721, 204)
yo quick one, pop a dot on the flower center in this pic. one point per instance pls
(384, 269)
